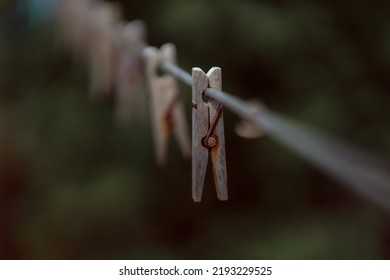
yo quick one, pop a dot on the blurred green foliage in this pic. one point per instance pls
(74, 184)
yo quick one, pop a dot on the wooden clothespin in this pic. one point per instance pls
(73, 20)
(165, 103)
(208, 136)
(247, 129)
(129, 98)
(103, 19)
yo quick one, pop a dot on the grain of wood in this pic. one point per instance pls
(202, 115)
(218, 153)
(200, 124)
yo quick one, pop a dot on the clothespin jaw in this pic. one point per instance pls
(166, 105)
(103, 18)
(129, 86)
(208, 138)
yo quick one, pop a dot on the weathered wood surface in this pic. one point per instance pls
(200, 125)
(202, 116)
(218, 153)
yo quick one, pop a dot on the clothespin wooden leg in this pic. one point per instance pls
(207, 134)
(200, 119)
(218, 153)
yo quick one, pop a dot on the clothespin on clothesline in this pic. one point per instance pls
(114, 49)
(166, 105)
(103, 18)
(129, 99)
(208, 138)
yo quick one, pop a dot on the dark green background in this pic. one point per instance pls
(75, 184)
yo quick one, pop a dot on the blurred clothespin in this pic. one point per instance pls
(74, 25)
(103, 18)
(129, 99)
(208, 136)
(246, 128)
(166, 105)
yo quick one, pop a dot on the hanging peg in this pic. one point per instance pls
(208, 138)
(103, 18)
(129, 99)
(165, 103)
(246, 128)
(73, 20)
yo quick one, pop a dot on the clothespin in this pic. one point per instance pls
(129, 98)
(208, 138)
(246, 128)
(103, 19)
(165, 103)
(73, 20)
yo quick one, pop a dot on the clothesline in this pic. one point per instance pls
(362, 172)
